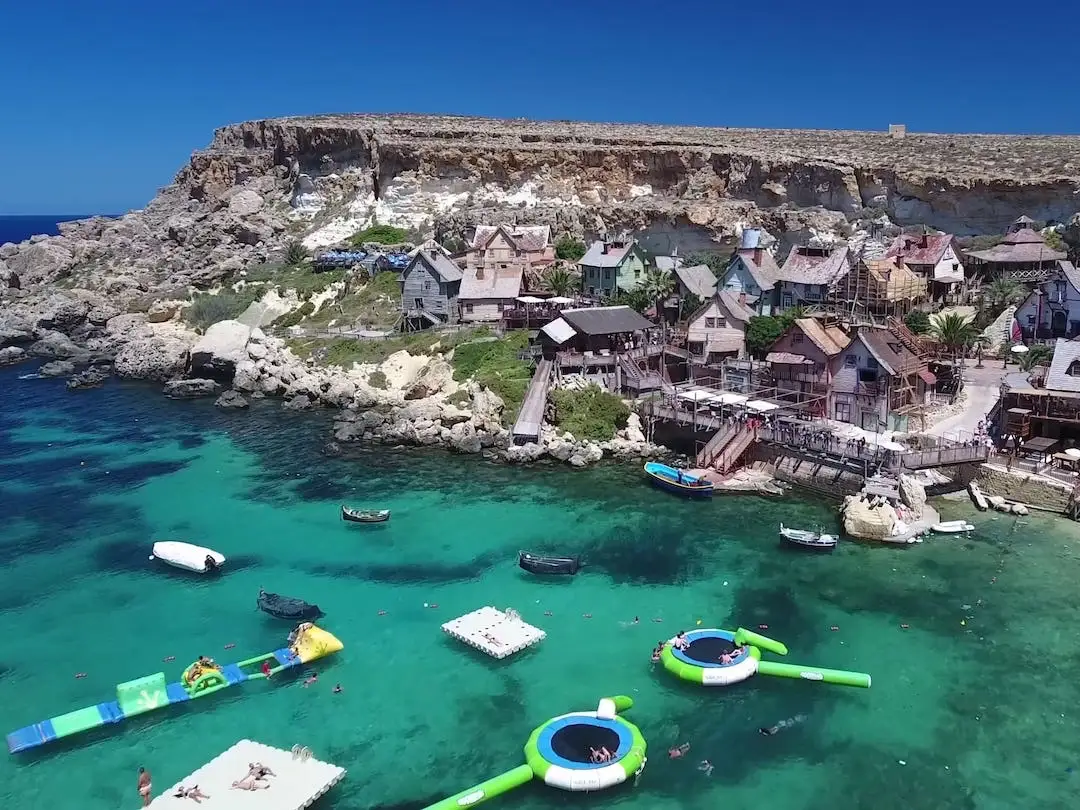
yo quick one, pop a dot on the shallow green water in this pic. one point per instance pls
(981, 709)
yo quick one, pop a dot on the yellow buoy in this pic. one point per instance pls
(699, 621)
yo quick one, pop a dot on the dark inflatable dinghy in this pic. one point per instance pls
(539, 564)
(285, 607)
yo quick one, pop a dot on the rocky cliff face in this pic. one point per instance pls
(324, 177)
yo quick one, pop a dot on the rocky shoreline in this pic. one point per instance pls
(407, 399)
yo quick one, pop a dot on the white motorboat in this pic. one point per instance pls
(188, 557)
(952, 527)
(805, 539)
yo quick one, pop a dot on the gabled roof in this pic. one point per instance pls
(830, 339)
(495, 285)
(1022, 246)
(668, 263)
(1066, 352)
(730, 302)
(764, 269)
(698, 279)
(925, 249)
(443, 266)
(900, 282)
(885, 348)
(523, 237)
(1066, 272)
(558, 330)
(605, 320)
(807, 265)
(596, 257)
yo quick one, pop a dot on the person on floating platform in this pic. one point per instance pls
(681, 642)
(297, 635)
(256, 770)
(211, 566)
(190, 793)
(656, 652)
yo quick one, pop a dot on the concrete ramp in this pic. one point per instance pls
(531, 416)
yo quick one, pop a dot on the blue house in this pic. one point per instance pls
(753, 272)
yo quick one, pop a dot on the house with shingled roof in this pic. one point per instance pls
(1022, 255)
(809, 273)
(934, 257)
(430, 285)
(801, 360)
(753, 272)
(1052, 309)
(717, 329)
(610, 266)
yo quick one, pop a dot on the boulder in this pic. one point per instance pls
(487, 406)
(298, 403)
(247, 376)
(217, 352)
(127, 325)
(435, 377)
(912, 493)
(57, 368)
(338, 392)
(463, 438)
(868, 522)
(156, 357)
(524, 453)
(161, 311)
(450, 415)
(231, 399)
(62, 312)
(91, 378)
(15, 329)
(41, 262)
(632, 431)
(245, 202)
(191, 388)
(55, 345)
(11, 355)
(101, 314)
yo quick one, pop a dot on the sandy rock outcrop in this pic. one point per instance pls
(216, 354)
(868, 522)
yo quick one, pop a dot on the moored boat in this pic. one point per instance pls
(541, 564)
(952, 527)
(811, 540)
(286, 607)
(187, 556)
(671, 479)
(365, 515)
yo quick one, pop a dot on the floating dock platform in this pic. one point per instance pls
(300, 780)
(498, 633)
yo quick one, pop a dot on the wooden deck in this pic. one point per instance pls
(531, 416)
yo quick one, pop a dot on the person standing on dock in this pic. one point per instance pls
(144, 786)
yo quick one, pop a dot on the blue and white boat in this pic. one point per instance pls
(677, 481)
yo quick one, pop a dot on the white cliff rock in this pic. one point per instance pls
(152, 357)
(868, 522)
(218, 351)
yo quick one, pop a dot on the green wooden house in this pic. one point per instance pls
(611, 265)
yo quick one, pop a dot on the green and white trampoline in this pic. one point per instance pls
(560, 753)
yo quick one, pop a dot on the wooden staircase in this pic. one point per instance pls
(906, 337)
(725, 448)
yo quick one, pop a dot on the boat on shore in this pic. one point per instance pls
(541, 564)
(674, 480)
(286, 607)
(952, 527)
(810, 540)
(188, 557)
(365, 515)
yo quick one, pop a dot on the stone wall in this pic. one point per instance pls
(824, 480)
(1031, 490)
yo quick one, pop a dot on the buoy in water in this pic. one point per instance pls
(699, 621)
(151, 558)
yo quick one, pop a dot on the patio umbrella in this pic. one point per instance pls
(1073, 452)
(529, 299)
(560, 299)
(1019, 348)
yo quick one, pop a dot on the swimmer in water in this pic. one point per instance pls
(791, 721)
(678, 751)
(705, 767)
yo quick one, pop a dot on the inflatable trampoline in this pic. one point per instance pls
(715, 657)
(580, 751)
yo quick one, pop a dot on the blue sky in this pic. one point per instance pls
(104, 101)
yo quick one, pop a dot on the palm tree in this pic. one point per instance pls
(1003, 292)
(295, 253)
(657, 285)
(953, 331)
(1038, 355)
(560, 281)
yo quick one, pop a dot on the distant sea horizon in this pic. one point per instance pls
(20, 227)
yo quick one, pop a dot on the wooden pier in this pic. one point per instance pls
(531, 416)
(298, 781)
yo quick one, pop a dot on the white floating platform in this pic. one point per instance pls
(497, 633)
(299, 781)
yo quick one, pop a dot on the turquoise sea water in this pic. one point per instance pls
(978, 696)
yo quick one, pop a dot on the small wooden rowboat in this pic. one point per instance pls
(365, 515)
(677, 481)
(805, 539)
(540, 564)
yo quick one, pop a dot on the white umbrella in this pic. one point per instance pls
(559, 299)
(761, 406)
(1073, 452)
(529, 299)
(694, 396)
(1019, 348)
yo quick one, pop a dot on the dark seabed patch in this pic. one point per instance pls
(109, 477)
(407, 573)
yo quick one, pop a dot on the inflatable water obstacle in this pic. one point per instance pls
(700, 661)
(561, 753)
(151, 692)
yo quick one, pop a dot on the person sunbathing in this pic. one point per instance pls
(250, 783)
(257, 770)
(190, 793)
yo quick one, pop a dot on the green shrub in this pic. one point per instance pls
(378, 380)
(495, 364)
(381, 234)
(762, 332)
(569, 249)
(590, 413)
(917, 321)
(207, 309)
(295, 316)
(295, 253)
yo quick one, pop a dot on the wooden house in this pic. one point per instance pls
(753, 272)
(717, 330)
(611, 265)
(430, 285)
(1052, 309)
(935, 258)
(1022, 255)
(877, 287)
(801, 360)
(809, 273)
